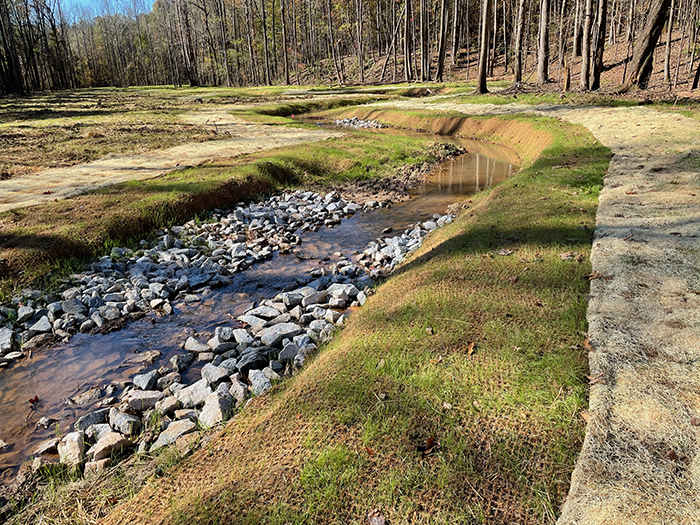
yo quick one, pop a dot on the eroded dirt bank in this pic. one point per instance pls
(641, 461)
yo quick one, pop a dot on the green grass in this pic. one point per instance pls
(342, 439)
(534, 98)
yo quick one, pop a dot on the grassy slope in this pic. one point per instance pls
(340, 440)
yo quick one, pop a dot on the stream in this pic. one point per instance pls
(93, 359)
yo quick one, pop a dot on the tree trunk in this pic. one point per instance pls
(641, 64)
(586, 47)
(283, 15)
(484, 49)
(599, 47)
(518, 59)
(667, 61)
(543, 47)
(443, 41)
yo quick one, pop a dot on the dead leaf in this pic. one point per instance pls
(596, 380)
(628, 237)
(431, 445)
(370, 451)
(543, 198)
(504, 252)
(587, 344)
(436, 361)
(671, 454)
(446, 405)
(471, 348)
(430, 331)
(381, 363)
(695, 421)
(375, 518)
(568, 256)
(513, 279)
(585, 415)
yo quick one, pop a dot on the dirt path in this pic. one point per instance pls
(244, 138)
(640, 461)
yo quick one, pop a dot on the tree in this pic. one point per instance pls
(484, 49)
(543, 44)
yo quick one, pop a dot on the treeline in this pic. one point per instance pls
(46, 46)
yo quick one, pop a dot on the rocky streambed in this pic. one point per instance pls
(214, 373)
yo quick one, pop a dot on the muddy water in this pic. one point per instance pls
(98, 360)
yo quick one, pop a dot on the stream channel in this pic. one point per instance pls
(93, 359)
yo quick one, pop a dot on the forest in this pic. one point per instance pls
(48, 46)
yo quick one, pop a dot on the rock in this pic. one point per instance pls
(74, 307)
(274, 335)
(146, 381)
(259, 384)
(174, 431)
(187, 413)
(87, 326)
(314, 298)
(195, 346)
(214, 374)
(36, 341)
(288, 354)
(216, 407)
(167, 406)
(24, 314)
(337, 290)
(219, 347)
(142, 400)
(8, 341)
(182, 361)
(256, 324)
(94, 468)
(42, 326)
(93, 418)
(168, 380)
(110, 443)
(250, 361)
(13, 355)
(242, 336)
(205, 356)
(95, 432)
(224, 334)
(264, 312)
(49, 446)
(271, 374)
(125, 423)
(71, 449)
(238, 391)
(86, 398)
(144, 358)
(195, 394)
(332, 316)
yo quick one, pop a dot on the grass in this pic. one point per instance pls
(539, 97)
(45, 242)
(342, 439)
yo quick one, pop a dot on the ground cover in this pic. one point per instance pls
(46, 240)
(455, 395)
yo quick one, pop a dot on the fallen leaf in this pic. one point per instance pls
(438, 360)
(430, 331)
(628, 237)
(585, 415)
(695, 421)
(471, 348)
(375, 518)
(568, 256)
(446, 405)
(543, 198)
(381, 363)
(587, 344)
(596, 380)
(504, 252)
(431, 445)
(671, 454)
(513, 279)
(370, 451)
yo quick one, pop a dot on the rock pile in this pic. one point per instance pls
(357, 123)
(186, 259)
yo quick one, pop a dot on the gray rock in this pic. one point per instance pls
(71, 449)
(242, 336)
(229, 365)
(111, 443)
(256, 324)
(8, 341)
(250, 361)
(314, 298)
(194, 395)
(95, 432)
(24, 314)
(125, 423)
(195, 346)
(142, 400)
(93, 418)
(174, 431)
(238, 391)
(42, 326)
(74, 307)
(146, 381)
(259, 383)
(274, 335)
(110, 313)
(49, 446)
(182, 361)
(219, 347)
(288, 354)
(168, 380)
(271, 374)
(36, 341)
(264, 312)
(13, 355)
(86, 326)
(216, 407)
(338, 290)
(224, 334)
(214, 374)
(167, 406)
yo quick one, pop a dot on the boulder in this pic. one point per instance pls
(196, 346)
(167, 406)
(8, 341)
(256, 324)
(251, 360)
(242, 336)
(71, 449)
(214, 374)
(174, 431)
(24, 314)
(93, 418)
(146, 381)
(110, 443)
(182, 361)
(259, 383)
(142, 400)
(195, 394)
(274, 335)
(216, 407)
(95, 432)
(125, 423)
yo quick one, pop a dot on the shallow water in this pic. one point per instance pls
(88, 360)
